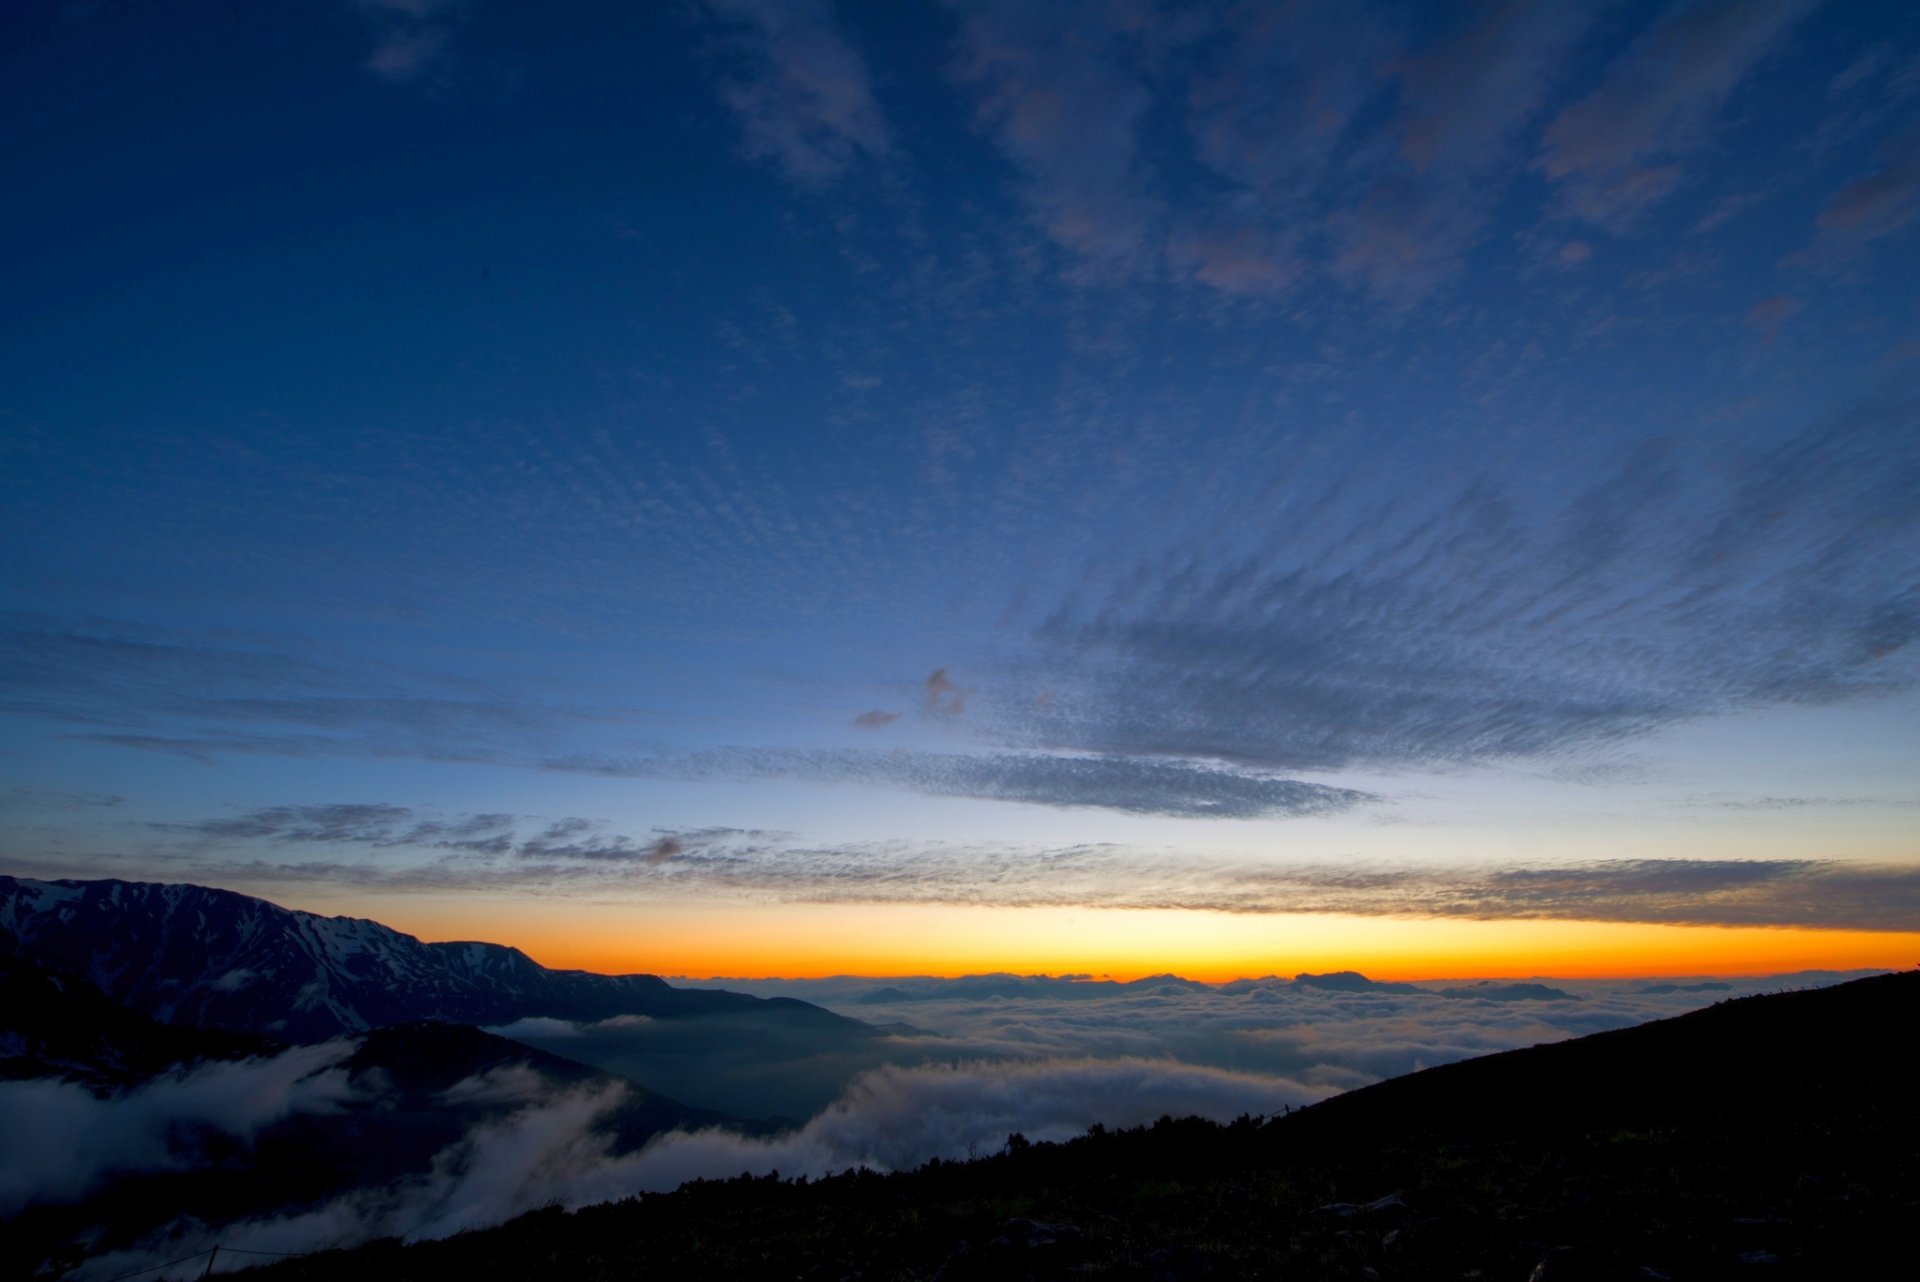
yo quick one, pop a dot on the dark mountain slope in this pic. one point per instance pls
(55, 1023)
(215, 959)
(1742, 1059)
(1774, 1137)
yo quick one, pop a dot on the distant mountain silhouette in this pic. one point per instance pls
(1352, 981)
(215, 959)
(1002, 986)
(1489, 991)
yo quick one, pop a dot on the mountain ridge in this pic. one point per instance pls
(212, 958)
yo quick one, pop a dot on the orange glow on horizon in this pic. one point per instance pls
(815, 940)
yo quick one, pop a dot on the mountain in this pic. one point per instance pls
(1001, 986)
(219, 960)
(1488, 990)
(1772, 1137)
(1352, 981)
(54, 1022)
(1749, 1061)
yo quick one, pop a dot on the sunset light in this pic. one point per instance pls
(1183, 629)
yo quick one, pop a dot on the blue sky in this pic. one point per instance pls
(793, 453)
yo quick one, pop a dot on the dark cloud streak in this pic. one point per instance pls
(1474, 632)
(481, 851)
(1185, 789)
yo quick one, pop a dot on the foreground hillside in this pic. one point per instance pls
(1775, 1136)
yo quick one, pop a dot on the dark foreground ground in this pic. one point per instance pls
(1773, 1137)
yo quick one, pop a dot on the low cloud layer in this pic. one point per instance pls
(63, 1141)
(556, 1151)
(959, 1075)
(1325, 1037)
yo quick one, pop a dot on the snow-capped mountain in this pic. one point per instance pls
(216, 959)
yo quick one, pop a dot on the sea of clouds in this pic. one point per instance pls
(959, 1069)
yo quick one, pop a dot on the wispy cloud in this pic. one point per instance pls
(1617, 151)
(141, 688)
(1137, 786)
(1463, 105)
(384, 826)
(68, 1141)
(58, 799)
(373, 824)
(802, 94)
(411, 37)
(558, 1148)
(1467, 631)
(590, 856)
(1877, 203)
(1057, 96)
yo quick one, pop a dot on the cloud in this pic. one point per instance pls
(1726, 209)
(1808, 893)
(1611, 151)
(558, 1151)
(1270, 103)
(802, 94)
(1465, 99)
(1766, 316)
(90, 679)
(1801, 803)
(1404, 237)
(1464, 102)
(1322, 1038)
(373, 824)
(472, 840)
(876, 719)
(60, 799)
(1131, 785)
(1480, 626)
(411, 36)
(142, 688)
(576, 840)
(1235, 255)
(942, 695)
(1879, 203)
(536, 1027)
(156, 691)
(1056, 95)
(582, 856)
(1047, 1066)
(64, 1141)
(898, 1118)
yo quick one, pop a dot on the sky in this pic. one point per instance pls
(752, 488)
